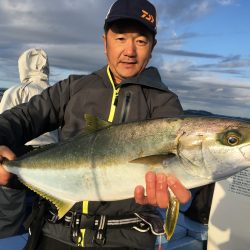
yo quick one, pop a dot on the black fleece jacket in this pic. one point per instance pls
(63, 106)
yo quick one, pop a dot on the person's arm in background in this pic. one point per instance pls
(43, 113)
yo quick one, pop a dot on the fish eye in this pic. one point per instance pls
(232, 140)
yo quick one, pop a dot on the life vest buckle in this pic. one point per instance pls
(75, 228)
(53, 217)
(68, 218)
(100, 235)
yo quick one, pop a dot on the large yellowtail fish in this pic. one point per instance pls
(107, 162)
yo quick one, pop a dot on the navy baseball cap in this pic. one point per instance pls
(139, 10)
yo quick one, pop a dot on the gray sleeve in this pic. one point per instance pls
(43, 113)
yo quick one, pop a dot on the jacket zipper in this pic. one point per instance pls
(126, 107)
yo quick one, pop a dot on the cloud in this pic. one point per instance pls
(226, 2)
(186, 53)
(233, 65)
(64, 28)
(211, 91)
(71, 32)
(235, 62)
(183, 11)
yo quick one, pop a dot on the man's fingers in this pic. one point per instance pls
(182, 194)
(4, 176)
(5, 152)
(151, 188)
(139, 194)
(157, 190)
(162, 195)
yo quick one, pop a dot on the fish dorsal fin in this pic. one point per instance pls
(93, 123)
(153, 159)
(63, 206)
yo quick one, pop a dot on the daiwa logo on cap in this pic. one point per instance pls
(147, 16)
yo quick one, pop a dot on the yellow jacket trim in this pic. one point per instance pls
(110, 119)
(85, 209)
(115, 95)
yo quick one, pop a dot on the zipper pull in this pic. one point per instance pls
(116, 98)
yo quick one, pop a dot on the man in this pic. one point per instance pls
(33, 69)
(122, 91)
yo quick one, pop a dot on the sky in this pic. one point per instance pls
(202, 53)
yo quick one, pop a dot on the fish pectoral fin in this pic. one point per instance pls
(172, 214)
(153, 159)
(63, 206)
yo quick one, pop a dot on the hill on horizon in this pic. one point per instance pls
(194, 112)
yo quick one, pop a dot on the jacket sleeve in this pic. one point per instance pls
(164, 104)
(43, 113)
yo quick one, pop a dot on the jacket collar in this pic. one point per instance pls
(149, 77)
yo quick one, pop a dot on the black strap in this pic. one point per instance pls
(35, 223)
(92, 222)
(35, 209)
(142, 222)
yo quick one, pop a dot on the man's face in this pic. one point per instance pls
(128, 46)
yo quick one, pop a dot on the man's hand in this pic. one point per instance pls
(5, 152)
(157, 193)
